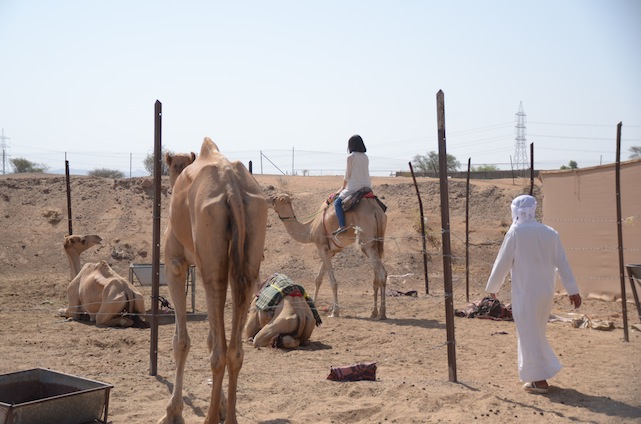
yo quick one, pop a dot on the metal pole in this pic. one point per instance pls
(445, 225)
(155, 266)
(467, 233)
(69, 218)
(420, 208)
(624, 308)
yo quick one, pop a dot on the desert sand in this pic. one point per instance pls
(600, 381)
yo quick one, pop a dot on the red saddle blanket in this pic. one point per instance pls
(353, 199)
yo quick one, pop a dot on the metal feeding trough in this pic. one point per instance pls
(41, 396)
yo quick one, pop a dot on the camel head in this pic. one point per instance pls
(281, 203)
(74, 245)
(177, 163)
(81, 243)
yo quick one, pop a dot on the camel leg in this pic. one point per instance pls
(285, 321)
(318, 280)
(176, 275)
(326, 266)
(380, 280)
(109, 314)
(74, 308)
(252, 327)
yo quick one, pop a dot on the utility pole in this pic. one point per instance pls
(5, 145)
(520, 149)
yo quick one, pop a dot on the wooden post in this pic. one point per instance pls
(467, 232)
(445, 226)
(420, 208)
(155, 263)
(69, 219)
(624, 308)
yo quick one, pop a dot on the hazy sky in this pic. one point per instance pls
(79, 79)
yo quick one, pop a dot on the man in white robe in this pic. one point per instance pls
(533, 253)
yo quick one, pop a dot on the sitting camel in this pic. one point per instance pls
(366, 222)
(281, 314)
(217, 221)
(98, 291)
(176, 163)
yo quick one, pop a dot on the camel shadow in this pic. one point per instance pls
(170, 387)
(314, 346)
(599, 404)
(404, 322)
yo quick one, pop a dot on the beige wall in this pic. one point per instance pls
(581, 205)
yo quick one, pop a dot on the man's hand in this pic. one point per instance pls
(575, 299)
(493, 295)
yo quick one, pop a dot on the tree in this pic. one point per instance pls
(21, 165)
(485, 168)
(429, 163)
(635, 152)
(106, 173)
(148, 163)
(571, 165)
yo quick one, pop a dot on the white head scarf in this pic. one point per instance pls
(523, 209)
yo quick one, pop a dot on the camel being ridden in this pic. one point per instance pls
(217, 221)
(281, 314)
(366, 222)
(98, 291)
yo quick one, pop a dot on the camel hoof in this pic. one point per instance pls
(171, 420)
(378, 316)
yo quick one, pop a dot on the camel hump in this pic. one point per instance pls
(208, 148)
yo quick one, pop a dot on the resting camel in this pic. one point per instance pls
(217, 221)
(366, 222)
(176, 163)
(281, 314)
(98, 291)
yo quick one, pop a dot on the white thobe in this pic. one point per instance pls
(533, 253)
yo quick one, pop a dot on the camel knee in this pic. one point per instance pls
(218, 362)
(176, 268)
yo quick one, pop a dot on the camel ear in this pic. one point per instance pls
(168, 158)
(193, 157)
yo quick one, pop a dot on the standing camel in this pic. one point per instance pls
(217, 221)
(366, 222)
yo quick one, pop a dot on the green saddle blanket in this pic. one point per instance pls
(274, 291)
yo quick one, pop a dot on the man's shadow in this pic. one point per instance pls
(599, 404)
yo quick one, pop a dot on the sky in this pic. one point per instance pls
(284, 84)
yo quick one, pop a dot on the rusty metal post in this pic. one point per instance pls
(424, 235)
(445, 226)
(467, 233)
(155, 263)
(69, 218)
(531, 168)
(624, 308)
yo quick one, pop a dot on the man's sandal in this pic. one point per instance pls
(532, 388)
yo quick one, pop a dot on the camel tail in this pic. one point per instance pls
(238, 272)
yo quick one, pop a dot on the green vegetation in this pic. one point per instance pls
(429, 163)
(21, 165)
(106, 173)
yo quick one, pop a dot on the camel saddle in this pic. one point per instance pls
(275, 288)
(352, 200)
